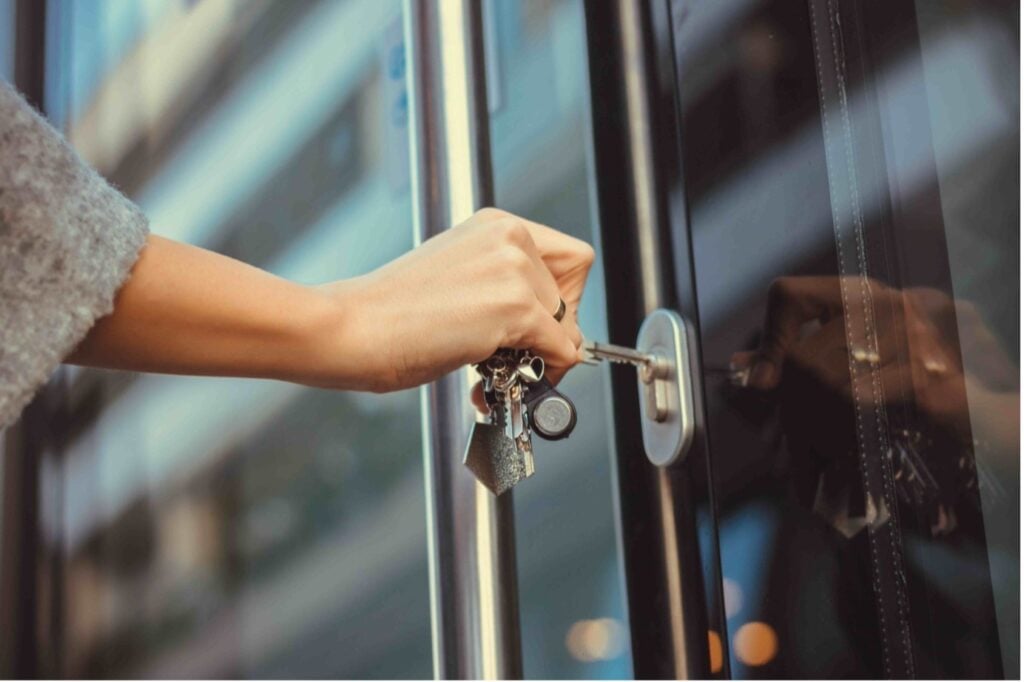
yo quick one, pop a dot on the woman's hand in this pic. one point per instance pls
(494, 281)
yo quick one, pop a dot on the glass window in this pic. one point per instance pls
(853, 189)
(7, 40)
(218, 527)
(570, 577)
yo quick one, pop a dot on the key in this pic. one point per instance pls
(652, 368)
(527, 369)
(521, 402)
(651, 365)
(500, 452)
(594, 351)
(519, 427)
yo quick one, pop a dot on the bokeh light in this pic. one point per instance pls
(599, 639)
(732, 595)
(715, 651)
(755, 643)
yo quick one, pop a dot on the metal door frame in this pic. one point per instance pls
(671, 560)
(668, 516)
(471, 533)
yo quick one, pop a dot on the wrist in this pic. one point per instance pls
(339, 349)
(317, 355)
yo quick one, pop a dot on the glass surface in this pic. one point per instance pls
(572, 604)
(853, 194)
(7, 40)
(216, 527)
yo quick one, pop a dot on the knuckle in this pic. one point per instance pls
(586, 253)
(489, 213)
(520, 299)
(513, 231)
(515, 261)
(532, 320)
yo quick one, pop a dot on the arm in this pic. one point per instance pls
(185, 310)
(69, 241)
(491, 282)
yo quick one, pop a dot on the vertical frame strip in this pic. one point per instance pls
(471, 533)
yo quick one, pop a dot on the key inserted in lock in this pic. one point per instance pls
(661, 357)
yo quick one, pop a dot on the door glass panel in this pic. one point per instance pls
(7, 40)
(853, 193)
(217, 527)
(572, 604)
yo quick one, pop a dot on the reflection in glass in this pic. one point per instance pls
(853, 194)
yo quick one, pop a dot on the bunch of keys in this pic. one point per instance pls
(521, 402)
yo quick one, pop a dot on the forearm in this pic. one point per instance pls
(482, 285)
(185, 310)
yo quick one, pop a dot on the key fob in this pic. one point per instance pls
(552, 415)
(493, 458)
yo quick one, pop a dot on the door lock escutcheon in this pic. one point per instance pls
(665, 387)
(662, 360)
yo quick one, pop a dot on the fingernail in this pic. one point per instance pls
(763, 375)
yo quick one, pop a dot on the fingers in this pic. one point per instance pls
(556, 374)
(824, 355)
(553, 244)
(550, 295)
(569, 261)
(547, 338)
(555, 266)
(792, 301)
(549, 290)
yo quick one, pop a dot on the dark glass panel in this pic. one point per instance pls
(853, 195)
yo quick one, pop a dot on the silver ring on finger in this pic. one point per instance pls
(560, 313)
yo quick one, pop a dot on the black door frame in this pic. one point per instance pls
(667, 516)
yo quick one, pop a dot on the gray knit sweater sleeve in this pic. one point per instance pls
(68, 241)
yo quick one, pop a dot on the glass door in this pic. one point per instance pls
(571, 596)
(852, 204)
(209, 527)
